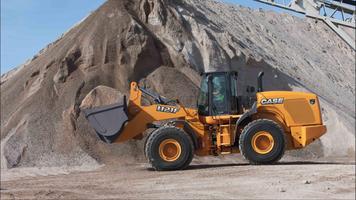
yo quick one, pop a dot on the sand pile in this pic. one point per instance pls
(165, 45)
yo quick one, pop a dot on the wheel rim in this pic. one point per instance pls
(170, 150)
(262, 142)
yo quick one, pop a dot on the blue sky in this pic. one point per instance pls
(29, 25)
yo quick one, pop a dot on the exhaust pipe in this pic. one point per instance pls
(259, 82)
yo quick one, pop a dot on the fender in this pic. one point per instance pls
(247, 114)
(187, 129)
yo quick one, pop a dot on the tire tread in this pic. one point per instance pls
(244, 134)
(153, 136)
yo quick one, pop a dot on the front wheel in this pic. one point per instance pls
(262, 142)
(169, 148)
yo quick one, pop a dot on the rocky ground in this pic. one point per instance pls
(286, 180)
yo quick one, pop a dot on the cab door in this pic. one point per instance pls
(218, 94)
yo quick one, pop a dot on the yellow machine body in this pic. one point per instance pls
(297, 113)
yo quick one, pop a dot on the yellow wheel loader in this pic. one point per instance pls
(272, 122)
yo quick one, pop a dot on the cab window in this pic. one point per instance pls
(234, 98)
(203, 99)
(219, 94)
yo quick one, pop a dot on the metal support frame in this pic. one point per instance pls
(337, 14)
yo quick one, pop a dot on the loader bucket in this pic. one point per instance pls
(108, 121)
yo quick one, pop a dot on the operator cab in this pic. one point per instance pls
(218, 94)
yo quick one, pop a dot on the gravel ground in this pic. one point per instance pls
(287, 180)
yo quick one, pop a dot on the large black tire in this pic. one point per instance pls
(275, 151)
(152, 148)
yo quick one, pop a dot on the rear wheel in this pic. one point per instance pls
(262, 142)
(169, 148)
